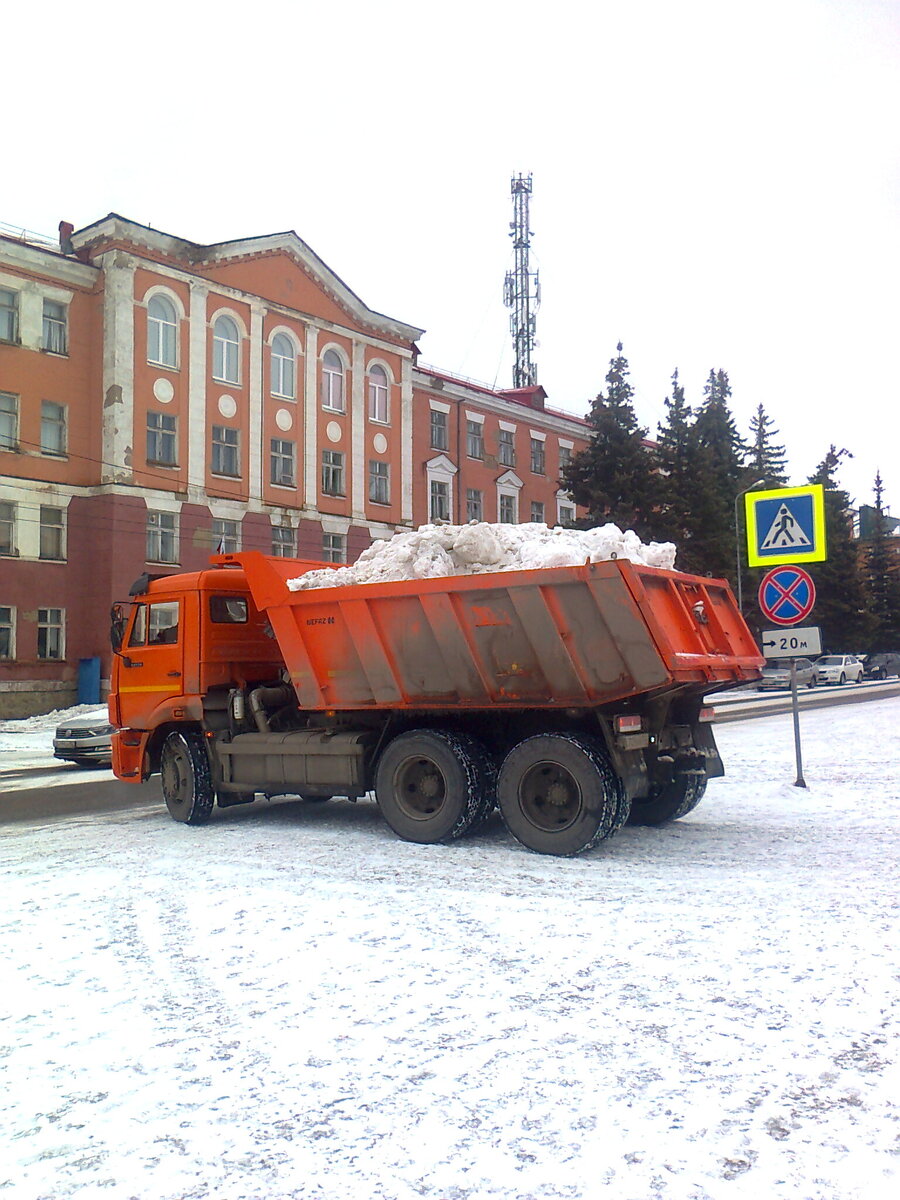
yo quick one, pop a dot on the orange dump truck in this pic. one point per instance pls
(571, 697)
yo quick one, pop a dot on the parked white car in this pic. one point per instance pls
(839, 668)
(85, 741)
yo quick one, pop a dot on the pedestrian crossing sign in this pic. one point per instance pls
(786, 525)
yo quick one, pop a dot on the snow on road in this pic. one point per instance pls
(292, 1003)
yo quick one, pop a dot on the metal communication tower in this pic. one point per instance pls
(522, 288)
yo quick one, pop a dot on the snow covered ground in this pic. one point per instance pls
(290, 1002)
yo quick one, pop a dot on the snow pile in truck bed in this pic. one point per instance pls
(433, 551)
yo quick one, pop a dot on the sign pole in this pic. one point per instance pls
(795, 706)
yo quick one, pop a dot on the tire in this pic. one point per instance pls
(433, 785)
(811, 682)
(186, 778)
(676, 799)
(842, 680)
(558, 794)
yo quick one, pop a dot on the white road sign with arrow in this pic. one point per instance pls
(802, 642)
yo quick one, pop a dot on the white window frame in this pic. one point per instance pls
(9, 439)
(474, 504)
(281, 543)
(11, 626)
(279, 455)
(162, 526)
(379, 393)
(226, 364)
(379, 481)
(538, 452)
(543, 517)
(55, 327)
(226, 530)
(59, 626)
(509, 485)
(59, 529)
(333, 471)
(333, 380)
(11, 521)
(162, 332)
(162, 437)
(506, 445)
(60, 423)
(226, 448)
(444, 443)
(564, 501)
(11, 334)
(283, 367)
(475, 421)
(440, 470)
(334, 544)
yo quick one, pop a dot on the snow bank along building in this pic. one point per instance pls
(161, 400)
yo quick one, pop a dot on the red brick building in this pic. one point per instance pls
(160, 399)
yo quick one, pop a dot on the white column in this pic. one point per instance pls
(358, 434)
(118, 367)
(258, 452)
(405, 433)
(197, 449)
(311, 423)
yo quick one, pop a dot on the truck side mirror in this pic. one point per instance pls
(118, 620)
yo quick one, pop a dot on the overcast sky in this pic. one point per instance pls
(716, 184)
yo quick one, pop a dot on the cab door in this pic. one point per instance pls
(151, 662)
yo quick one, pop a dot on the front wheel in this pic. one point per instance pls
(434, 785)
(843, 679)
(670, 802)
(558, 794)
(186, 778)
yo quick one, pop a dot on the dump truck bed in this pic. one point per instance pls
(555, 637)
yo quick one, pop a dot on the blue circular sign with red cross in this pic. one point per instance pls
(786, 595)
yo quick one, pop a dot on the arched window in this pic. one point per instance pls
(378, 394)
(226, 350)
(283, 367)
(162, 332)
(332, 381)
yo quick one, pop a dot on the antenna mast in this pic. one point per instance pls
(522, 288)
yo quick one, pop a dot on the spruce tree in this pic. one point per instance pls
(678, 459)
(614, 476)
(882, 578)
(766, 459)
(721, 475)
(841, 610)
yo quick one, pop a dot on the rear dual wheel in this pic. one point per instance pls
(669, 802)
(434, 785)
(559, 794)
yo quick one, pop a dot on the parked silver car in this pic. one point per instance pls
(778, 675)
(86, 741)
(839, 668)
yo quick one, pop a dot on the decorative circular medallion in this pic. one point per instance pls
(379, 442)
(333, 431)
(284, 419)
(227, 406)
(163, 390)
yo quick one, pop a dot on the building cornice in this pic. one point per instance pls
(49, 264)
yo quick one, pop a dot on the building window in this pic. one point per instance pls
(284, 367)
(226, 350)
(379, 482)
(333, 472)
(52, 541)
(378, 394)
(162, 537)
(332, 381)
(508, 510)
(226, 535)
(53, 428)
(162, 447)
(537, 511)
(9, 421)
(474, 504)
(537, 456)
(7, 632)
(225, 444)
(9, 316)
(281, 462)
(439, 501)
(50, 640)
(7, 528)
(283, 544)
(566, 514)
(474, 439)
(565, 457)
(162, 332)
(334, 547)
(438, 430)
(54, 338)
(506, 445)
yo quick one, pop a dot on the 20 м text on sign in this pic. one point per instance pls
(786, 525)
